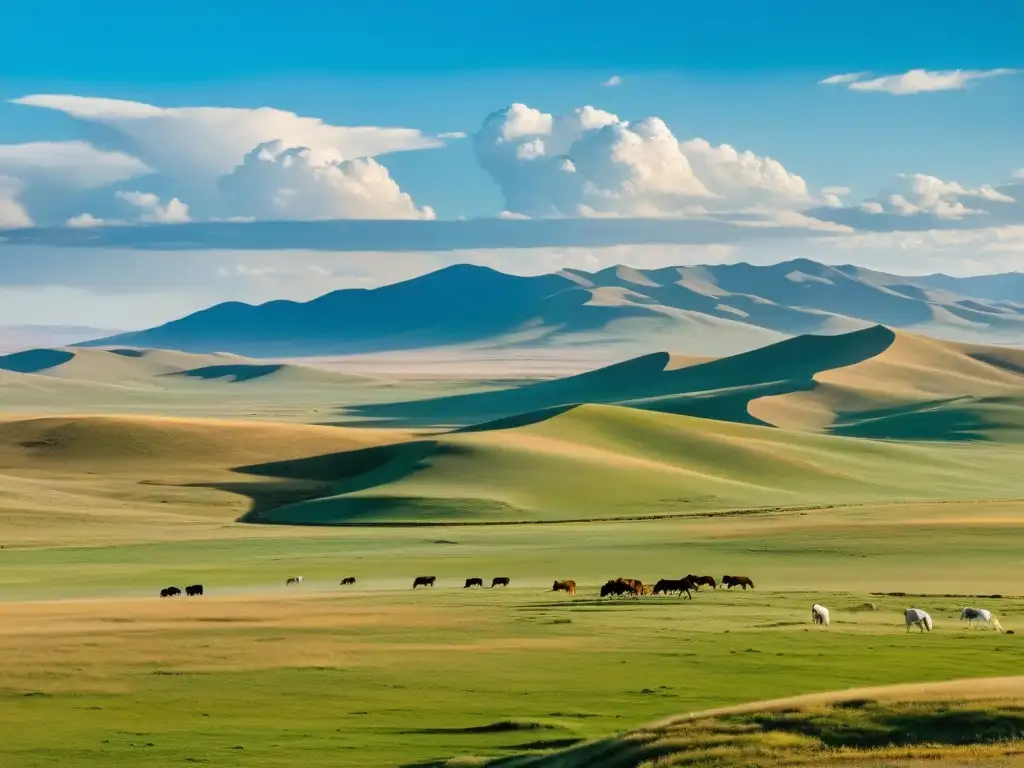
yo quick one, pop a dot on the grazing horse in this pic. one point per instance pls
(293, 580)
(500, 581)
(737, 581)
(635, 584)
(916, 616)
(619, 587)
(423, 581)
(170, 592)
(195, 589)
(474, 583)
(703, 581)
(980, 615)
(674, 585)
(348, 580)
(819, 614)
(564, 586)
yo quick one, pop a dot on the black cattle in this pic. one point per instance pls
(500, 581)
(170, 592)
(348, 580)
(424, 581)
(474, 583)
(195, 589)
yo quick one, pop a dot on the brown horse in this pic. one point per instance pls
(737, 581)
(500, 581)
(703, 581)
(473, 583)
(564, 586)
(424, 581)
(621, 587)
(674, 585)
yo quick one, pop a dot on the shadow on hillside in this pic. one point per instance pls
(35, 360)
(716, 389)
(234, 373)
(295, 481)
(959, 419)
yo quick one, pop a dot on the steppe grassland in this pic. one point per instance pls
(108, 510)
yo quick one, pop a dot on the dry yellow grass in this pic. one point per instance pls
(913, 369)
(112, 479)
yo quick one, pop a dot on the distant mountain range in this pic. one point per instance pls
(703, 310)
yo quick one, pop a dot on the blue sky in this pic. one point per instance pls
(742, 74)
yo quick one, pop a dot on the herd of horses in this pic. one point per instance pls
(820, 615)
(635, 587)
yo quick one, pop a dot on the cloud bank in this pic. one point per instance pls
(915, 80)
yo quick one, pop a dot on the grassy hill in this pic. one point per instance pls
(963, 722)
(873, 382)
(601, 462)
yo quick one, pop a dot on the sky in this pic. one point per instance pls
(155, 160)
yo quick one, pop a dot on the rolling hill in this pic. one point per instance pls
(702, 310)
(603, 462)
(873, 382)
(961, 722)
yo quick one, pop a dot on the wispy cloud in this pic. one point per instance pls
(915, 80)
(849, 77)
(452, 135)
(612, 81)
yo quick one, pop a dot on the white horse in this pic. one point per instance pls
(294, 580)
(980, 615)
(819, 614)
(916, 616)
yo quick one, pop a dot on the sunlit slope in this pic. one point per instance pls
(873, 382)
(916, 389)
(718, 388)
(593, 462)
(88, 479)
(964, 722)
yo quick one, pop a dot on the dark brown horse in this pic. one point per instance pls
(500, 581)
(473, 583)
(424, 581)
(703, 581)
(621, 587)
(564, 586)
(668, 586)
(737, 581)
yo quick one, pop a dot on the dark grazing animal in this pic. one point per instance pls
(737, 581)
(703, 581)
(170, 592)
(348, 580)
(293, 580)
(195, 589)
(564, 586)
(473, 583)
(621, 587)
(668, 586)
(500, 581)
(424, 581)
(635, 584)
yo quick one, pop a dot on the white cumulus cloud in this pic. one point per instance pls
(211, 141)
(12, 214)
(276, 181)
(915, 80)
(589, 162)
(153, 211)
(612, 81)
